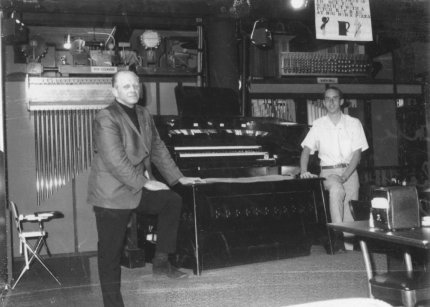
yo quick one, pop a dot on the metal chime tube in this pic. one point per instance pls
(54, 182)
(82, 141)
(37, 154)
(51, 154)
(60, 147)
(90, 132)
(86, 123)
(77, 143)
(67, 145)
(83, 146)
(44, 151)
(73, 147)
(63, 147)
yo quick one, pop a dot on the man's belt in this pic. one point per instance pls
(341, 165)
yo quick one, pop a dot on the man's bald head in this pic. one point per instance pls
(126, 88)
(121, 74)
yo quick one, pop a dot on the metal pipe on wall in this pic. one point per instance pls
(244, 75)
(5, 227)
(199, 52)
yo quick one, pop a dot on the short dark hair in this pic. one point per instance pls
(332, 87)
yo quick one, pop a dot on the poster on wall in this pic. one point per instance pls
(347, 20)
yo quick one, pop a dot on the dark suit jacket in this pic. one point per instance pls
(122, 154)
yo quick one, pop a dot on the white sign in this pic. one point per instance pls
(326, 80)
(104, 69)
(347, 20)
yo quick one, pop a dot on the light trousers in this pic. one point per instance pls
(340, 193)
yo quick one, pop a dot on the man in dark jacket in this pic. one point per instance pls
(126, 142)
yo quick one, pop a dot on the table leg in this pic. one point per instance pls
(327, 220)
(196, 232)
(367, 264)
(408, 263)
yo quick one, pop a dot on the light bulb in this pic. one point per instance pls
(298, 4)
(67, 43)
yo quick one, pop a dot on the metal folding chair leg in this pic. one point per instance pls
(42, 262)
(34, 255)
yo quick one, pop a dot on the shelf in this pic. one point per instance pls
(311, 87)
(155, 73)
(166, 72)
(89, 70)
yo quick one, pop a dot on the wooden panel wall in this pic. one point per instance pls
(22, 177)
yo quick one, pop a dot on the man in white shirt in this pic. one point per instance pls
(339, 140)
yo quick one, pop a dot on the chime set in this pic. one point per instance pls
(63, 110)
(63, 147)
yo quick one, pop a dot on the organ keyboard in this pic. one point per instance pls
(230, 147)
(197, 156)
(220, 151)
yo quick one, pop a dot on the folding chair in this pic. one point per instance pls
(39, 235)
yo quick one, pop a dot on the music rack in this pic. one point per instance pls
(323, 64)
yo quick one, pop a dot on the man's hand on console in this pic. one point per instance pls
(154, 185)
(306, 175)
(191, 180)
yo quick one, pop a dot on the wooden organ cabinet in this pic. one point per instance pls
(252, 208)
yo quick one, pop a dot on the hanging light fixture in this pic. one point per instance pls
(261, 35)
(67, 42)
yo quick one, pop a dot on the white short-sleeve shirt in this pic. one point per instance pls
(335, 143)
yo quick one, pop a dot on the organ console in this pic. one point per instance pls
(228, 146)
(252, 206)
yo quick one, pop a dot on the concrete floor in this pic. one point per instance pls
(274, 283)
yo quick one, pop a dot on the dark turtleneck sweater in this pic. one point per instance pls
(131, 112)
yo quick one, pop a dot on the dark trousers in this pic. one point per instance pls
(112, 227)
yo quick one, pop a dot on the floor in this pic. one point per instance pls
(274, 283)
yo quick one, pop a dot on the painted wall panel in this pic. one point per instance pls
(384, 127)
(22, 174)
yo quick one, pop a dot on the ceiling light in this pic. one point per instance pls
(299, 4)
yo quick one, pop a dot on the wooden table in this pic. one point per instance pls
(406, 239)
(418, 237)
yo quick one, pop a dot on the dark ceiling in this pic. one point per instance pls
(393, 21)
